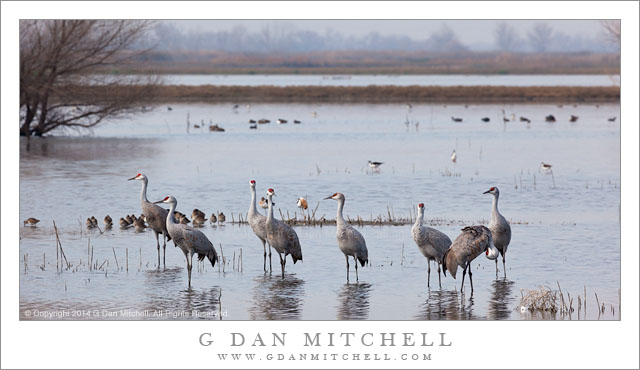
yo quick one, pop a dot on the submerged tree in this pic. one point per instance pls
(60, 61)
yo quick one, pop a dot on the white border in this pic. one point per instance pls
(174, 344)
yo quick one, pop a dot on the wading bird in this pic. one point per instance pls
(188, 239)
(432, 243)
(302, 203)
(550, 118)
(454, 156)
(263, 203)
(213, 219)
(350, 241)
(454, 119)
(375, 165)
(258, 224)
(156, 218)
(123, 223)
(282, 121)
(500, 229)
(525, 119)
(473, 241)
(573, 118)
(281, 236)
(221, 217)
(545, 167)
(31, 221)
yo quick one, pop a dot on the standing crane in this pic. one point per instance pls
(156, 218)
(500, 229)
(281, 236)
(432, 243)
(190, 240)
(258, 224)
(468, 245)
(350, 241)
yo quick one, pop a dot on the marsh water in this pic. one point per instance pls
(565, 226)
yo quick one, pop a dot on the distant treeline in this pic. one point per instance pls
(371, 62)
(356, 94)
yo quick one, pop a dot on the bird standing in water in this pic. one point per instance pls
(432, 243)
(500, 229)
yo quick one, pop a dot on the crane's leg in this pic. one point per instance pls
(439, 281)
(282, 263)
(464, 272)
(270, 268)
(504, 267)
(428, 273)
(496, 268)
(470, 278)
(158, 245)
(264, 247)
(347, 258)
(164, 250)
(355, 261)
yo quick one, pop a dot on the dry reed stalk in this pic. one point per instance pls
(116, 258)
(126, 251)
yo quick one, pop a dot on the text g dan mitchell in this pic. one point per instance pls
(345, 339)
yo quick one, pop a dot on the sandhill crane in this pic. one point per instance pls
(258, 224)
(473, 241)
(454, 156)
(281, 236)
(156, 218)
(432, 243)
(500, 229)
(350, 241)
(31, 221)
(190, 240)
(375, 165)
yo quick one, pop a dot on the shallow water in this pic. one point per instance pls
(567, 233)
(395, 80)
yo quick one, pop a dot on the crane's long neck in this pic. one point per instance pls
(143, 192)
(252, 206)
(172, 209)
(339, 217)
(270, 213)
(494, 208)
(420, 217)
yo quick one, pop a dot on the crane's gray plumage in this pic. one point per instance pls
(155, 216)
(258, 224)
(350, 241)
(188, 239)
(500, 229)
(282, 237)
(473, 241)
(432, 243)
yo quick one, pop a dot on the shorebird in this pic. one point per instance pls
(612, 119)
(525, 119)
(123, 223)
(197, 212)
(198, 221)
(350, 241)
(263, 203)
(375, 166)
(281, 236)
(213, 219)
(454, 119)
(550, 118)
(454, 156)
(545, 167)
(302, 203)
(297, 122)
(500, 229)
(252, 121)
(573, 118)
(31, 221)
(253, 127)
(473, 241)
(433, 244)
(263, 121)
(258, 224)
(221, 217)
(188, 239)
(139, 225)
(89, 223)
(155, 216)
(282, 121)
(169, 108)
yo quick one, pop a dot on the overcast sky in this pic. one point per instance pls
(473, 33)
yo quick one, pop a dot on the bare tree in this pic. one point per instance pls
(505, 36)
(59, 57)
(540, 37)
(611, 29)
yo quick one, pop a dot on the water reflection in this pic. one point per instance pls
(353, 300)
(501, 302)
(275, 298)
(447, 305)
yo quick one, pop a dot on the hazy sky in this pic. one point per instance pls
(470, 32)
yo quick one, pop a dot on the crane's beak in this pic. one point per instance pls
(160, 201)
(488, 191)
(329, 197)
(133, 178)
